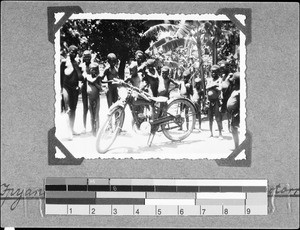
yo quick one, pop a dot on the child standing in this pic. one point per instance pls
(197, 98)
(164, 82)
(185, 85)
(214, 88)
(110, 73)
(93, 91)
(185, 91)
(86, 61)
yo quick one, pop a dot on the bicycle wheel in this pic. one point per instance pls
(110, 130)
(184, 120)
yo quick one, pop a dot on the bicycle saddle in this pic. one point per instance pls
(159, 99)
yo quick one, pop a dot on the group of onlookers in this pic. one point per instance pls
(219, 92)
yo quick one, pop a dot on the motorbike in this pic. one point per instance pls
(174, 117)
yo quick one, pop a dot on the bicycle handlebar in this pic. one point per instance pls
(122, 82)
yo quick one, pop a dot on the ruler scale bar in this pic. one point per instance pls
(119, 201)
(155, 197)
(120, 195)
(98, 188)
(131, 188)
(141, 188)
(166, 182)
(153, 188)
(221, 195)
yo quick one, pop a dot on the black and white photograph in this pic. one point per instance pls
(150, 86)
(149, 114)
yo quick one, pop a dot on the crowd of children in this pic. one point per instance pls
(218, 91)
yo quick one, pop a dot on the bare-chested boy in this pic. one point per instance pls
(164, 82)
(93, 91)
(110, 73)
(214, 96)
(86, 61)
(134, 77)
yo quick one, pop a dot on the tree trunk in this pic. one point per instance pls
(123, 58)
(121, 69)
(214, 48)
(201, 68)
(200, 61)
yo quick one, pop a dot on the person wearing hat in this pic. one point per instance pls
(164, 81)
(71, 75)
(233, 107)
(214, 97)
(110, 73)
(93, 91)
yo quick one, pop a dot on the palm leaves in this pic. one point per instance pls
(152, 31)
(184, 29)
(190, 34)
(179, 42)
(159, 43)
(172, 64)
(182, 36)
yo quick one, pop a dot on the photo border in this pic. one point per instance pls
(54, 142)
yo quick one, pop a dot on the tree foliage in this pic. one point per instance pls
(205, 42)
(195, 45)
(121, 37)
(216, 39)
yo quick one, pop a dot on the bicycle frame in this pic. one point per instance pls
(162, 113)
(158, 113)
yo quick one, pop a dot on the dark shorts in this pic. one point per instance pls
(84, 95)
(112, 95)
(154, 88)
(198, 105)
(70, 98)
(235, 120)
(224, 106)
(214, 110)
